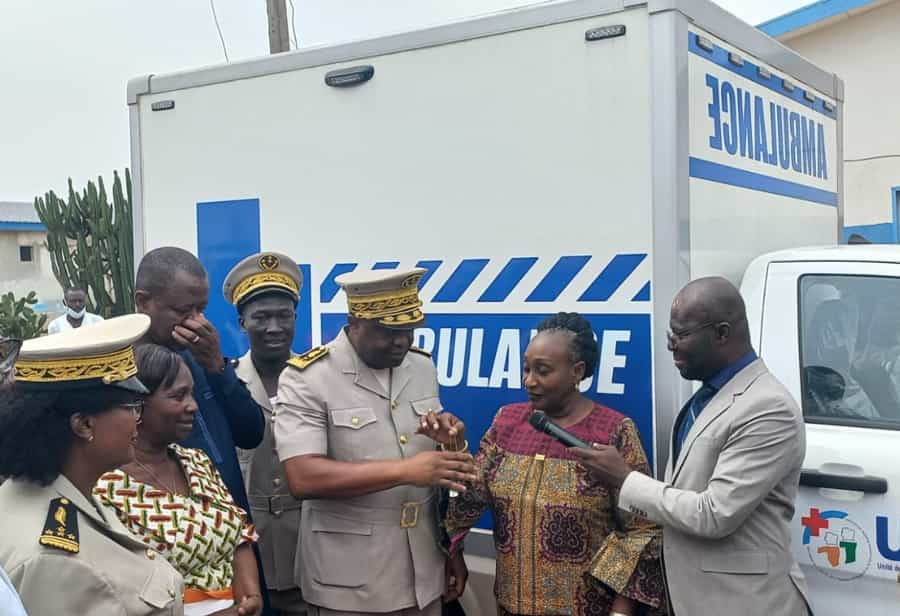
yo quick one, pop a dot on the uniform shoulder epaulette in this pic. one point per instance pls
(61, 528)
(302, 362)
(420, 351)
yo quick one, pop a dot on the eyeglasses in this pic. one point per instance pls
(676, 337)
(136, 408)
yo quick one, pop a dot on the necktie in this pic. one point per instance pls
(695, 407)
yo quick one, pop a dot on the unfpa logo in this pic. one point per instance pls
(837, 546)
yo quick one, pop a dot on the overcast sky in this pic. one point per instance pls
(64, 65)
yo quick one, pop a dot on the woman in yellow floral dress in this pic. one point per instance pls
(175, 500)
(563, 547)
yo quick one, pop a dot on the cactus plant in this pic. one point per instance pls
(90, 243)
(18, 319)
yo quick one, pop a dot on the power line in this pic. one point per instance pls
(212, 6)
(868, 158)
(293, 24)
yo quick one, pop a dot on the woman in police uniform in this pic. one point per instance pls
(70, 416)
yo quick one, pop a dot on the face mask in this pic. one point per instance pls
(76, 314)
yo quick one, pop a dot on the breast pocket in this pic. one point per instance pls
(161, 586)
(353, 434)
(423, 406)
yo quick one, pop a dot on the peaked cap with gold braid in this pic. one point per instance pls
(390, 297)
(259, 273)
(91, 355)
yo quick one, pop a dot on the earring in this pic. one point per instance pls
(91, 438)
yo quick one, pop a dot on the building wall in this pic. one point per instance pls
(37, 275)
(864, 51)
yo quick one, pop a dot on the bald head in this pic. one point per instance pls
(710, 329)
(715, 299)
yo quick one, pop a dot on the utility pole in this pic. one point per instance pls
(279, 37)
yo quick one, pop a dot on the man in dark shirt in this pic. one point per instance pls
(172, 288)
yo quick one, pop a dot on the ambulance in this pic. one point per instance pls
(586, 155)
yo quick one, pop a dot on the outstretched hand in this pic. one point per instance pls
(444, 428)
(603, 462)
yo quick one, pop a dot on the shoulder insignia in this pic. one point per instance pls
(302, 362)
(415, 349)
(61, 527)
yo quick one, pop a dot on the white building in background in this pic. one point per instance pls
(859, 40)
(24, 258)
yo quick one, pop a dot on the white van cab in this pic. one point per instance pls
(827, 323)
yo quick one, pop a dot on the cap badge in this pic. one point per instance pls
(268, 262)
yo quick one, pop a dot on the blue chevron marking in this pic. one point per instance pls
(643, 295)
(558, 278)
(329, 288)
(386, 265)
(431, 266)
(511, 275)
(460, 280)
(612, 277)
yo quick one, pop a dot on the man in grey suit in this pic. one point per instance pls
(737, 446)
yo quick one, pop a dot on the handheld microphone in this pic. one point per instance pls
(541, 422)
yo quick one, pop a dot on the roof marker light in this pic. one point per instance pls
(704, 43)
(604, 32)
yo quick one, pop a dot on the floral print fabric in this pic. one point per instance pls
(563, 547)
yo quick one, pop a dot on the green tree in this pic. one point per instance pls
(90, 243)
(18, 319)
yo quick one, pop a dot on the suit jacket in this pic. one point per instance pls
(275, 512)
(111, 573)
(372, 553)
(726, 504)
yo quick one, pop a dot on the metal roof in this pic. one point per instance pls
(19, 216)
(815, 15)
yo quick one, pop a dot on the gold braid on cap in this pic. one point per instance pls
(395, 304)
(110, 368)
(257, 281)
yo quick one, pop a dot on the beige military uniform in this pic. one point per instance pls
(379, 552)
(112, 573)
(275, 512)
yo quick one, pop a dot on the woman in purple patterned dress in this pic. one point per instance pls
(563, 547)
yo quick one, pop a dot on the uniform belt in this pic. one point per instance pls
(274, 504)
(406, 515)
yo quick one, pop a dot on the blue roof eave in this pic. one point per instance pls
(810, 14)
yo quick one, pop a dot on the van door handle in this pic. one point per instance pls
(866, 483)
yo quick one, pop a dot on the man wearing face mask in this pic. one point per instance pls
(265, 288)
(75, 300)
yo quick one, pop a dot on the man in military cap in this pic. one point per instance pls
(265, 288)
(349, 430)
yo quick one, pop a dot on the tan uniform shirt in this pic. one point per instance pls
(378, 552)
(275, 512)
(112, 573)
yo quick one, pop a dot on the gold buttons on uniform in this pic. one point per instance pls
(276, 481)
(355, 421)
(403, 439)
(151, 554)
(171, 594)
(393, 404)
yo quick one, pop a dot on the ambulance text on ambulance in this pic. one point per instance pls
(745, 124)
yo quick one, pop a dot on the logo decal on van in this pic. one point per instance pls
(837, 546)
